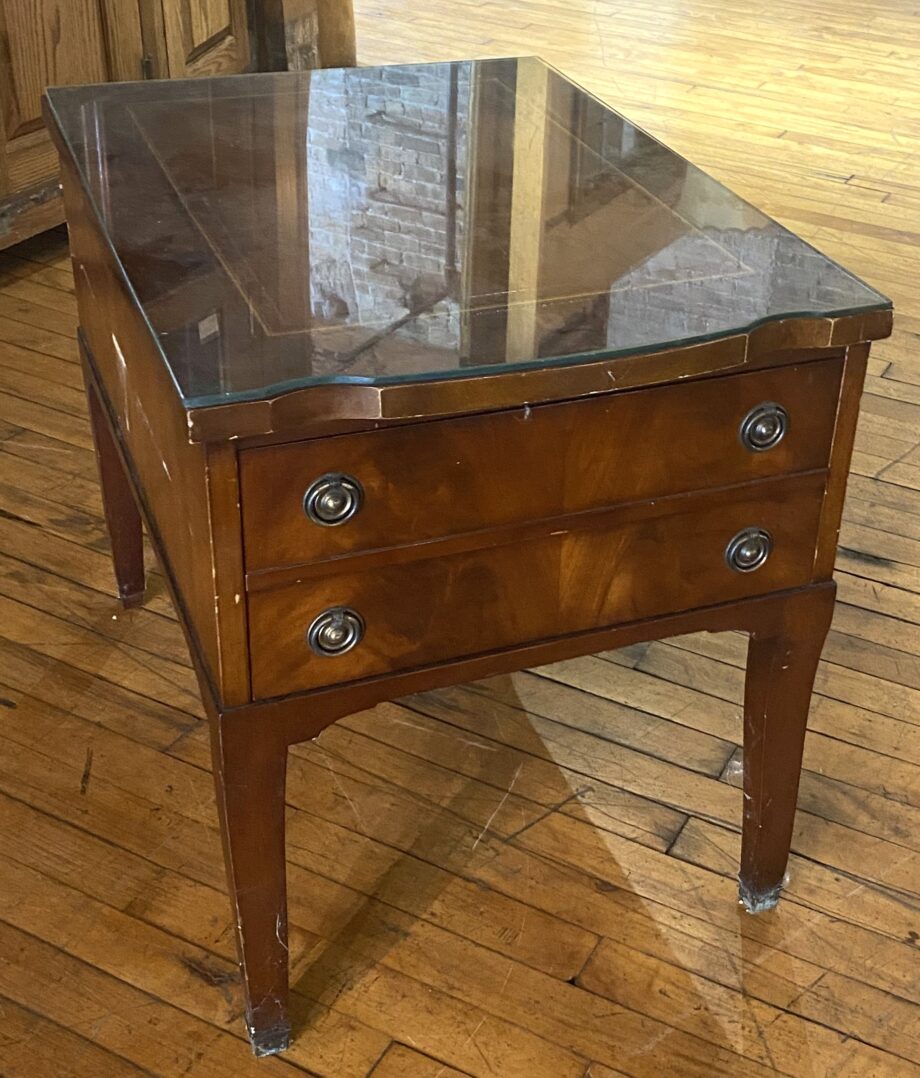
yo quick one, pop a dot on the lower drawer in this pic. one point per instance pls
(618, 566)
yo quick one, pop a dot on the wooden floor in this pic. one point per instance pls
(529, 877)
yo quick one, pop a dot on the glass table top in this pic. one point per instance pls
(393, 224)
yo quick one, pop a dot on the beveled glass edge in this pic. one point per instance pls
(278, 389)
(270, 392)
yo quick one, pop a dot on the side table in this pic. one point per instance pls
(417, 375)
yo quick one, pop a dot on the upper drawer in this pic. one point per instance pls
(439, 478)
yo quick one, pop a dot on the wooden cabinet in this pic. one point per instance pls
(42, 42)
(63, 42)
(205, 37)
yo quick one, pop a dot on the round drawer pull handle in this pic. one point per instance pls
(764, 426)
(332, 499)
(335, 631)
(748, 550)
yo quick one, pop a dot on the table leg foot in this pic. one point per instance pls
(131, 598)
(758, 901)
(271, 1041)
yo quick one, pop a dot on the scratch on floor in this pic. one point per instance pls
(471, 1039)
(87, 769)
(551, 810)
(336, 781)
(444, 733)
(498, 807)
(511, 966)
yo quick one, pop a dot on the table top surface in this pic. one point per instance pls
(398, 224)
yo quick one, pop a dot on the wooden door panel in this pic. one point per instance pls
(45, 43)
(210, 20)
(206, 37)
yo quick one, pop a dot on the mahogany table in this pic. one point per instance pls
(421, 374)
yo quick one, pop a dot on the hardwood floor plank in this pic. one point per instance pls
(867, 903)
(207, 985)
(718, 715)
(49, 553)
(18, 473)
(546, 781)
(21, 309)
(66, 458)
(137, 1026)
(150, 960)
(871, 595)
(33, 682)
(142, 671)
(399, 1061)
(75, 525)
(483, 917)
(782, 1041)
(610, 720)
(37, 294)
(55, 393)
(38, 339)
(32, 1047)
(15, 266)
(37, 362)
(101, 615)
(851, 950)
(38, 418)
(216, 867)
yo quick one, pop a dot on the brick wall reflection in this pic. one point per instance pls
(383, 234)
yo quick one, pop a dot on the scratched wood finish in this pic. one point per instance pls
(577, 824)
(432, 480)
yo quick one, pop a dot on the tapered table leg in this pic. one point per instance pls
(250, 766)
(122, 517)
(781, 667)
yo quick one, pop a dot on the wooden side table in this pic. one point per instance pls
(417, 375)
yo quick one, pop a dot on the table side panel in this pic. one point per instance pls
(430, 480)
(172, 472)
(614, 567)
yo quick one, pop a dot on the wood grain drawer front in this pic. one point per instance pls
(628, 564)
(434, 479)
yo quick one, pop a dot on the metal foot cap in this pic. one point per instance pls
(759, 901)
(270, 1041)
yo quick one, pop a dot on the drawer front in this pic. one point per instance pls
(428, 480)
(623, 566)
